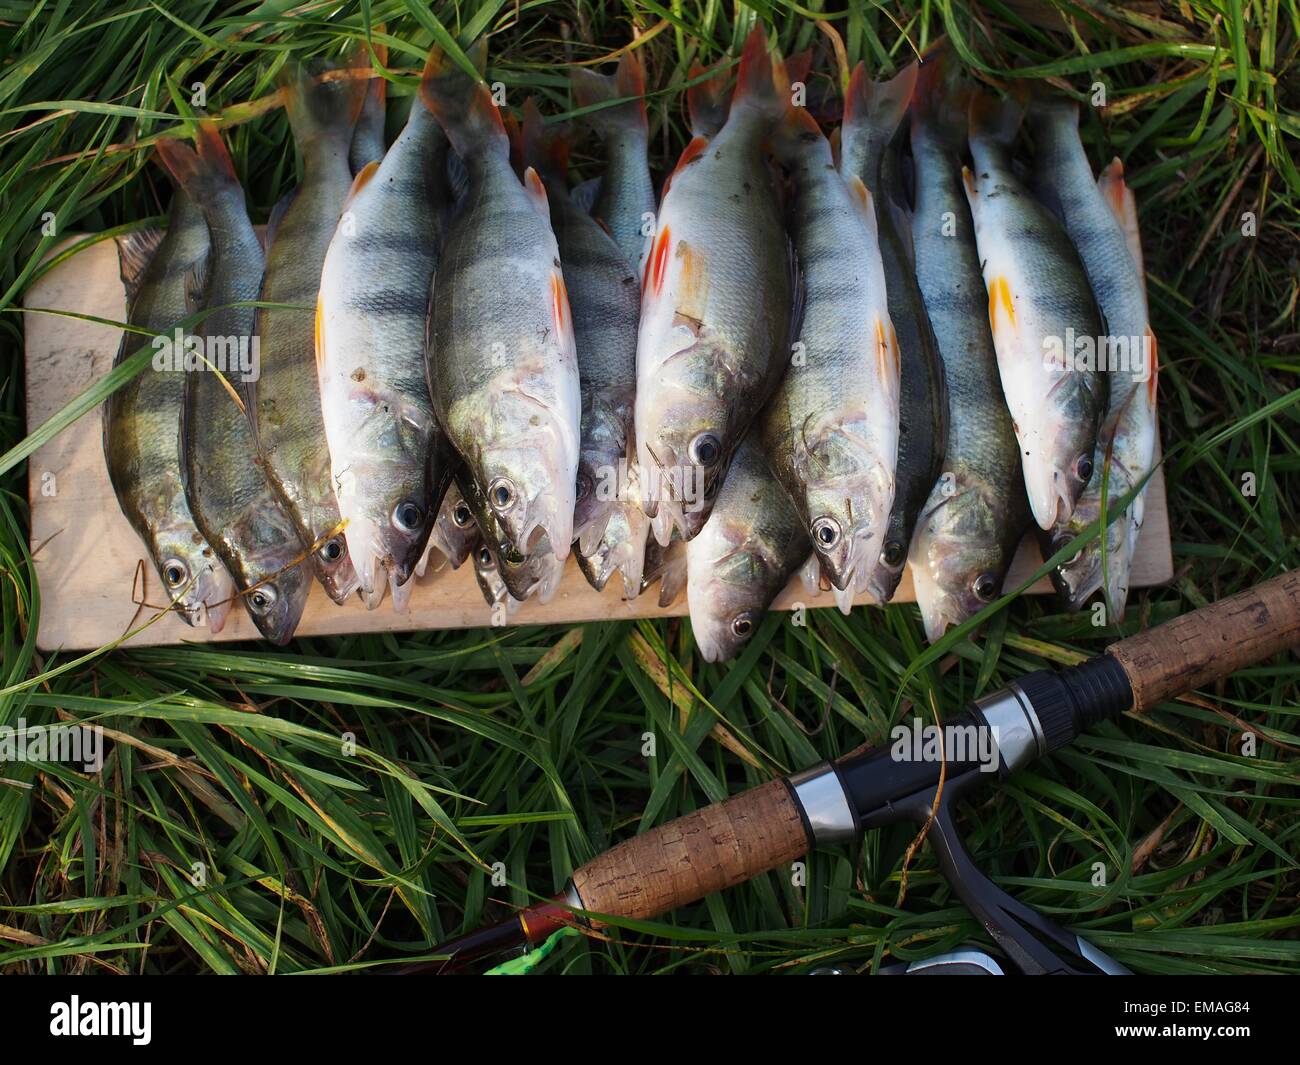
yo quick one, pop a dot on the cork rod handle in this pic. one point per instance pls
(695, 855)
(1210, 643)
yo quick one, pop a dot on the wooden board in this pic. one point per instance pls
(87, 554)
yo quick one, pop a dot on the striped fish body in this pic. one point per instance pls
(1041, 310)
(386, 451)
(604, 297)
(625, 202)
(286, 403)
(716, 309)
(831, 430)
(142, 419)
(502, 361)
(976, 513)
(232, 502)
(752, 543)
(871, 118)
(1101, 220)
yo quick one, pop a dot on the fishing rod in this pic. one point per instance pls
(775, 823)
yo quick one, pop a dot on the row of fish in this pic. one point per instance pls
(804, 353)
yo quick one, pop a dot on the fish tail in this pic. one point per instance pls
(545, 148)
(941, 98)
(1050, 113)
(368, 135)
(874, 109)
(707, 102)
(626, 84)
(204, 170)
(798, 66)
(995, 118)
(462, 103)
(325, 104)
(762, 83)
(1123, 205)
(795, 132)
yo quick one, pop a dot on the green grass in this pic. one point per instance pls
(524, 746)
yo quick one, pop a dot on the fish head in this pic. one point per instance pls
(729, 582)
(504, 581)
(455, 531)
(887, 573)
(847, 498)
(527, 489)
(197, 584)
(276, 604)
(684, 449)
(386, 494)
(271, 573)
(334, 569)
(488, 576)
(1057, 476)
(620, 548)
(605, 474)
(1080, 576)
(960, 553)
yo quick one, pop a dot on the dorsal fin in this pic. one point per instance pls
(135, 251)
(537, 192)
(707, 103)
(360, 182)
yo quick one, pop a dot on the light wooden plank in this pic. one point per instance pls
(87, 554)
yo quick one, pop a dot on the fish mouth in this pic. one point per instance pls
(933, 602)
(383, 560)
(514, 584)
(340, 582)
(883, 582)
(208, 600)
(676, 496)
(1052, 495)
(622, 553)
(281, 621)
(848, 567)
(710, 646)
(549, 520)
(1078, 582)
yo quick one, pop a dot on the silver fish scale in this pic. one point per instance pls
(498, 252)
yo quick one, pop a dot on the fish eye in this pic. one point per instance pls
(262, 599)
(985, 587)
(485, 558)
(175, 572)
(407, 515)
(826, 533)
(461, 516)
(1083, 468)
(501, 494)
(1061, 540)
(893, 555)
(705, 449)
(331, 550)
(742, 625)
